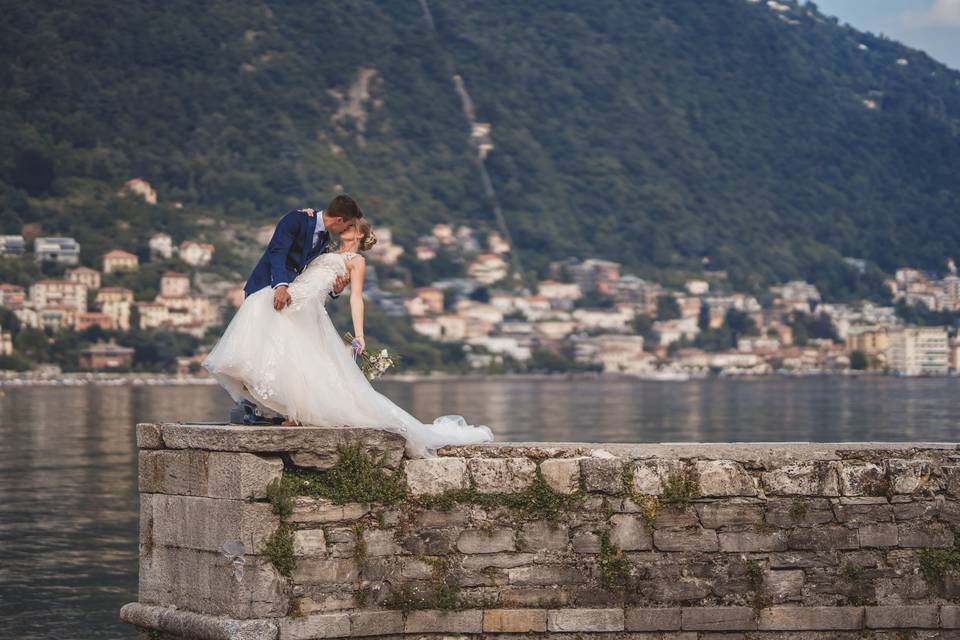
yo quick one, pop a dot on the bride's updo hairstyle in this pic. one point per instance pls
(367, 237)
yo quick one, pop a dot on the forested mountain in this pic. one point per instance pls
(763, 136)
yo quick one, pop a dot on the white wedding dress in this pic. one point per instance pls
(295, 363)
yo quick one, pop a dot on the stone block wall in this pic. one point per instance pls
(522, 540)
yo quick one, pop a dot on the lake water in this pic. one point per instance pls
(68, 502)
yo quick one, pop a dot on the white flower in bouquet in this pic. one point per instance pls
(372, 365)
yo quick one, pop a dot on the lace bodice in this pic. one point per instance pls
(317, 279)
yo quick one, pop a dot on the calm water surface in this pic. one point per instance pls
(68, 502)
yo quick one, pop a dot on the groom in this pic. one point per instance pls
(298, 238)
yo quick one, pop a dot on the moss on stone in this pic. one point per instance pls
(362, 595)
(679, 488)
(442, 593)
(295, 608)
(356, 477)
(539, 499)
(936, 563)
(360, 549)
(278, 549)
(853, 572)
(281, 495)
(799, 507)
(614, 568)
(649, 505)
(758, 598)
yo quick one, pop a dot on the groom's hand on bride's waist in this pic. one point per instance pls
(281, 297)
(340, 284)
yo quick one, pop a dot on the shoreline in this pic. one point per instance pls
(36, 379)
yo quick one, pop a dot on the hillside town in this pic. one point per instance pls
(587, 315)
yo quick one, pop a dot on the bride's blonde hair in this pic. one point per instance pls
(367, 237)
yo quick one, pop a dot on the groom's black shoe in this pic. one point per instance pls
(242, 411)
(245, 412)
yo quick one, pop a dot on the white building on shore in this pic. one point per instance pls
(917, 351)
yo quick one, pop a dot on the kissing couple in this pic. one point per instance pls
(281, 358)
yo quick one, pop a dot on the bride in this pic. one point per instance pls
(294, 362)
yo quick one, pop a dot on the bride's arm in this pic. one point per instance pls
(358, 267)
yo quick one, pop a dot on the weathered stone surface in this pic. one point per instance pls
(433, 476)
(797, 512)
(431, 519)
(783, 585)
(535, 597)
(649, 475)
(918, 509)
(187, 624)
(823, 538)
(375, 623)
(809, 478)
(602, 475)
(381, 542)
(680, 590)
(514, 621)
(207, 523)
(685, 540)
(540, 535)
(752, 541)
(862, 479)
(545, 574)
(309, 542)
(950, 616)
(671, 517)
(951, 476)
(950, 512)
(724, 478)
(881, 534)
(416, 569)
(803, 559)
(810, 618)
(239, 476)
(714, 515)
(322, 625)
(204, 582)
(651, 619)
(629, 533)
(498, 560)
(430, 542)
(903, 617)
(907, 476)
(276, 439)
(502, 475)
(574, 620)
(486, 540)
(927, 534)
(437, 621)
(717, 619)
(322, 511)
(381, 569)
(561, 474)
(853, 511)
(585, 542)
(332, 571)
(149, 436)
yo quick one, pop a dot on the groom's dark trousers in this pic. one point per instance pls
(289, 252)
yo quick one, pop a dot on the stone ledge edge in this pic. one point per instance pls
(209, 627)
(201, 626)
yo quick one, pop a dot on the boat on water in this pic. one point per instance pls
(665, 375)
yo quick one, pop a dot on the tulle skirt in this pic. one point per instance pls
(294, 362)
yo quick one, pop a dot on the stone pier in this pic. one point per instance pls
(295, 533)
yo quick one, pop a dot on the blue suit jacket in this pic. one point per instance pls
(289, 251)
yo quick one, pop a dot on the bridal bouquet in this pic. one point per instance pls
(373, 365)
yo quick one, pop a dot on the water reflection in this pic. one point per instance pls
(68, 504)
